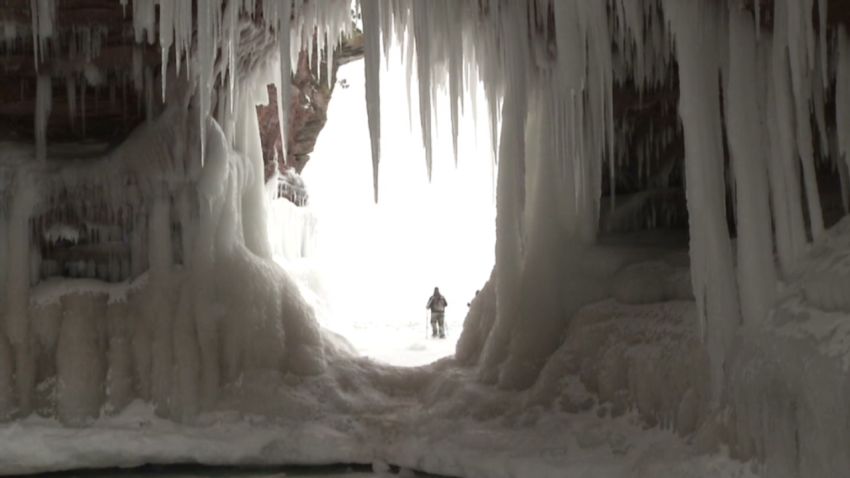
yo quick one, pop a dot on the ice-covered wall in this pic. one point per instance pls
(201, 304)
(144, 271)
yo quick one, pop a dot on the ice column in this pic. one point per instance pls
(159, 311)
(783, 166)
(511, 197)
(7, 400)
(253, 213)
(80, 359)
(43, 105)
(756, 270)
(17, 288)
(801, 54)
(712, 270)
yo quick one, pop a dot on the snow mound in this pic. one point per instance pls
(646, 358)
(824, 277)
(789, 384)
(203, 308)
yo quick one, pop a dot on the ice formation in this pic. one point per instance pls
(176, 214)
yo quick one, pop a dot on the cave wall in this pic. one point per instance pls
(105, 85)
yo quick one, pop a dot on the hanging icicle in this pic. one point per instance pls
(372, 44)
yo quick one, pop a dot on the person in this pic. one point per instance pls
(437, 304)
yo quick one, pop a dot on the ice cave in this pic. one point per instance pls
(220, 221)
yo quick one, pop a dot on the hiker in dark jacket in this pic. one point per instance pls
(437, 304)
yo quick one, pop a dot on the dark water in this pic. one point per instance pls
(193, 471)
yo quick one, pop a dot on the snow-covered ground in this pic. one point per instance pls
(520, 443)
(405, 343)
(207, 472)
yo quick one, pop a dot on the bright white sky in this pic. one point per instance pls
(374, 266)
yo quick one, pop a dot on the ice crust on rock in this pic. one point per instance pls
(164, 321)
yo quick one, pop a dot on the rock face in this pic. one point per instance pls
(311, 92)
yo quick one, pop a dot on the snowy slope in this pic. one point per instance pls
(790, 383)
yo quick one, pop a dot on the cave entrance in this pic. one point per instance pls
(369, 268)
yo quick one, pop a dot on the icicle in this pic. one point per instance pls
(372, 46)
(782, 164)
(43, 105)
(421, 31)
(822, 45)
(83, 91)
(455, 70)
(818, 103)
(43, 14)
(138, 69)
(144, 20)
(801, 48)
(386, 28)
(231, 46)
(166, 35)
(183, 32)
(71, 88)
(842, 96)
(329, 62)
(284, 88)
(149, 95)
(408, 70)
(206, 51)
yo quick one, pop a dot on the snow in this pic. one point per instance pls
(521, 445)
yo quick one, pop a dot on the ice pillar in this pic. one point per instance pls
(756, 269)
(712, 270)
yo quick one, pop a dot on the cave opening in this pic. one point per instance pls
(369, 267)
